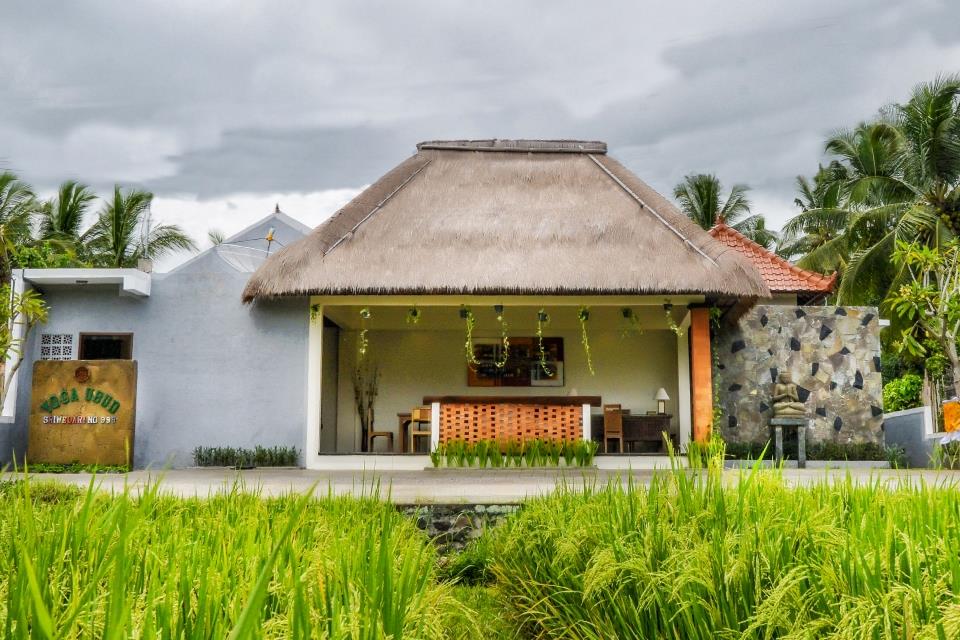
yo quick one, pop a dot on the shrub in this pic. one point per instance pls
(530, 453)
(750, 450)
(902, 393)
(851, 451)
(846, 451)
(240, 457)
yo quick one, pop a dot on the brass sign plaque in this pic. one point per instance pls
(83, 411)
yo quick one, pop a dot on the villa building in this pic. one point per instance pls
(481, 289)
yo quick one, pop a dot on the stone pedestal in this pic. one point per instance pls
(800, 424)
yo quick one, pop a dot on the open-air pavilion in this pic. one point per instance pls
(541, 242)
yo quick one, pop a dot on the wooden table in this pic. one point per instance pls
(648, 428)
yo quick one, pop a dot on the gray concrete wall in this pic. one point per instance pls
(913, 430)
(833, 354)
(212, 371)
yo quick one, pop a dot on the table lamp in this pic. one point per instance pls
(661, 397)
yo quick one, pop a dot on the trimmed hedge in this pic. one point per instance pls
(240, 457)
(851, 451)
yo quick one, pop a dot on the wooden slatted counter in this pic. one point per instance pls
(474, 418)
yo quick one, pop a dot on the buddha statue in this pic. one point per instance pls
(786, 400)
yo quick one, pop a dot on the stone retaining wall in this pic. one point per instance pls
(451, 527)
(833, 354)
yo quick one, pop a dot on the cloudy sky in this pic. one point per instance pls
(224, 108)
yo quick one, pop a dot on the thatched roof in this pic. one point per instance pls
(508, 217)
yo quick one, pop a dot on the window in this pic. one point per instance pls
(56, 346)
(106, 346)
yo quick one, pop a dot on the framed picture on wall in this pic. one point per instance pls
(522, 368)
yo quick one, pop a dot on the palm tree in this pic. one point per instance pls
(902, 181)
(216, 237)
(61, 218)
(817, 224)
(700, 198)
(755, 228)
(123, 232)
(17, 204)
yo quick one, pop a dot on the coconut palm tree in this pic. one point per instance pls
(61, 217)
(902, 182)
(123, 232)
(817, 224)
(700, 197)
(755, 228)
(216, 237)
(17, 205)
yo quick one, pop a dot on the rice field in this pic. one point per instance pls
(83, 565)
(688, 557)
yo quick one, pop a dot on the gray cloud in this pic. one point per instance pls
(210, 100)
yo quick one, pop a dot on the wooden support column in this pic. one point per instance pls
(701, 373)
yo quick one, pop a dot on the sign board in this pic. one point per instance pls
(83, 411)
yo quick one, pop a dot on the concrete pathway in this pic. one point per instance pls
(445, 486)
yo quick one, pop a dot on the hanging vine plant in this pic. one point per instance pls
(413, 315)
(501, 362)
(667, 309)
(314, 312)
(362, 343)
(631, 323)
(543, 318)
(583, 315)
(469, 322)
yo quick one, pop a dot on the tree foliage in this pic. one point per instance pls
(57, 232)
(896, 178)
(702, 199)
(124, 233)
(929, 300)
(17, 204)
(20, 312)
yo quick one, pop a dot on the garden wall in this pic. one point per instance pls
(833, 354)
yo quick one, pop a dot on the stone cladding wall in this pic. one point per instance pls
(833, 354)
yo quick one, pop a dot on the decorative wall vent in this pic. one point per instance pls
(56, 346)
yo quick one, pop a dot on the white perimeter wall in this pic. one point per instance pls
(414, 363)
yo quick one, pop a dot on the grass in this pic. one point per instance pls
(75, 467)
(691, 556)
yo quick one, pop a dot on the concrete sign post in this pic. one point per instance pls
(83, 411)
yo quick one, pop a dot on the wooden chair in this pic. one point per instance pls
(380, 434)
(418, 417)
(612, 426)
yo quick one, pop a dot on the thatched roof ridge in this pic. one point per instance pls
(521, 146)
(468, 217)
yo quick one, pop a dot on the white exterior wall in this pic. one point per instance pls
(413, 364)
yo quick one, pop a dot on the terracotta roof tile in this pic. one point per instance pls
(781, 276)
